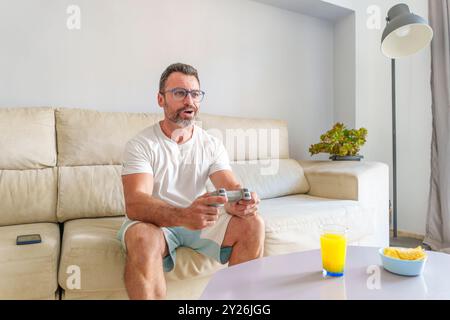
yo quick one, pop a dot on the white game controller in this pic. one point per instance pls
(232, 196)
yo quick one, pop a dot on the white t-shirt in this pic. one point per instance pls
(180, 171)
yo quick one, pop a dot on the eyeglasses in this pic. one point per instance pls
(181, 93)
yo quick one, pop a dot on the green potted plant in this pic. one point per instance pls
(341, 143)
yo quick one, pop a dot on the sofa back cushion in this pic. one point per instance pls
(27, 138)
(90, 191)
(270, 178)
(28, 176)
(88, 137)
(28, 196)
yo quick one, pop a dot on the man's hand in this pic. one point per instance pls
(200, 214)
(244, 208)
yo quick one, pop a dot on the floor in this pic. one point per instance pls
(406, 242)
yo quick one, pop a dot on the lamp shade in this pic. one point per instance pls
(405, 33)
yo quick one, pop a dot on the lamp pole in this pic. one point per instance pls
(394, 151)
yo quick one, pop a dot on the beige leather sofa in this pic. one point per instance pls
(60, 177)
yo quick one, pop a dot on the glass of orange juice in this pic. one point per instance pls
(333, 246)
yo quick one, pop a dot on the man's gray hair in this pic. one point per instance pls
(177, 67)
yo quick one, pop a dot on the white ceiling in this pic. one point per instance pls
(316, 8)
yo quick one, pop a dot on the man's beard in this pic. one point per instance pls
(177, 119)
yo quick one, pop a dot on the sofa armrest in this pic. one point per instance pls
(347, 180)
(362, 181)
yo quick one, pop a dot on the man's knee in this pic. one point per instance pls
(257, 225)
(145, 240)
(253, 226)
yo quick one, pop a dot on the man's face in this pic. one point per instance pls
(181, 112)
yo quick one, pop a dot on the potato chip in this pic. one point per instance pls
(405, 253)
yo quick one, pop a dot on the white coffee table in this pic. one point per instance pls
(299, 276)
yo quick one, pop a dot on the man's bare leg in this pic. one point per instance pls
(246, 236)
(144, 274)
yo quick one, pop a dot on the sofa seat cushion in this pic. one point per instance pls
(293, 222)
(92, 245)
(29, 271)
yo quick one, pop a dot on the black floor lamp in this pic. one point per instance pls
(405, 34)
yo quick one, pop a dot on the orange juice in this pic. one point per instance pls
(334, 248)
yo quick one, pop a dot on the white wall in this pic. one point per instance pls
(254, 60)
(344, 104)
(373, 110)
